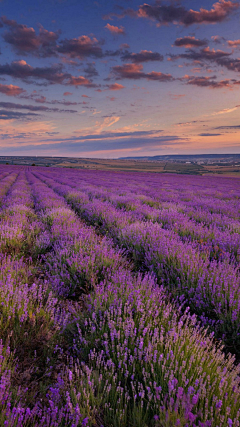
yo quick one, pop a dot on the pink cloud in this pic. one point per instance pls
(11, 90)
(42, 99)
(114, 29)
(79, 81)
(25, 40)
(234, 43)
(80, 47)
(116, 86)
(218, 39)
(135, 71)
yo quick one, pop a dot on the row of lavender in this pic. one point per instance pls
(28, 308)
(135, 360)
(211, 287)
(31, 315)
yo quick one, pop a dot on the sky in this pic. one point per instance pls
(117, 78)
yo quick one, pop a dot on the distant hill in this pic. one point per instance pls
(205, 158)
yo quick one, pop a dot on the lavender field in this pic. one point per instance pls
(119, 299)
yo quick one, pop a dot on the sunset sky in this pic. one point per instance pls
(119, 78)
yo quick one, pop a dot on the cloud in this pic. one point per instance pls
(231, 64)
(218, 57)
(170, 13)
(90, 70)
(190, 42)
(120, 134)
(134, 71)
(114, 145)
(209, 82)
(11, 90)
(218, 39)
(205, 54)
(92, 140)
(124, 46)
(25, 40)
(81, 47)
(27, 126)
(66, 103)
(226, 110)
(165, 14)
(12, 105)
(24, 135)
(209, 134)
(234, 43)
(107, 122)
(20, 69)
(79, 81)
(183, 124)
(142, 56)
(13, 115)
(103, 141)
(67, 93)
(40, 99)
(53, 74)
(228, 127)
(125, 12)
(115, 86)
(115, 30)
